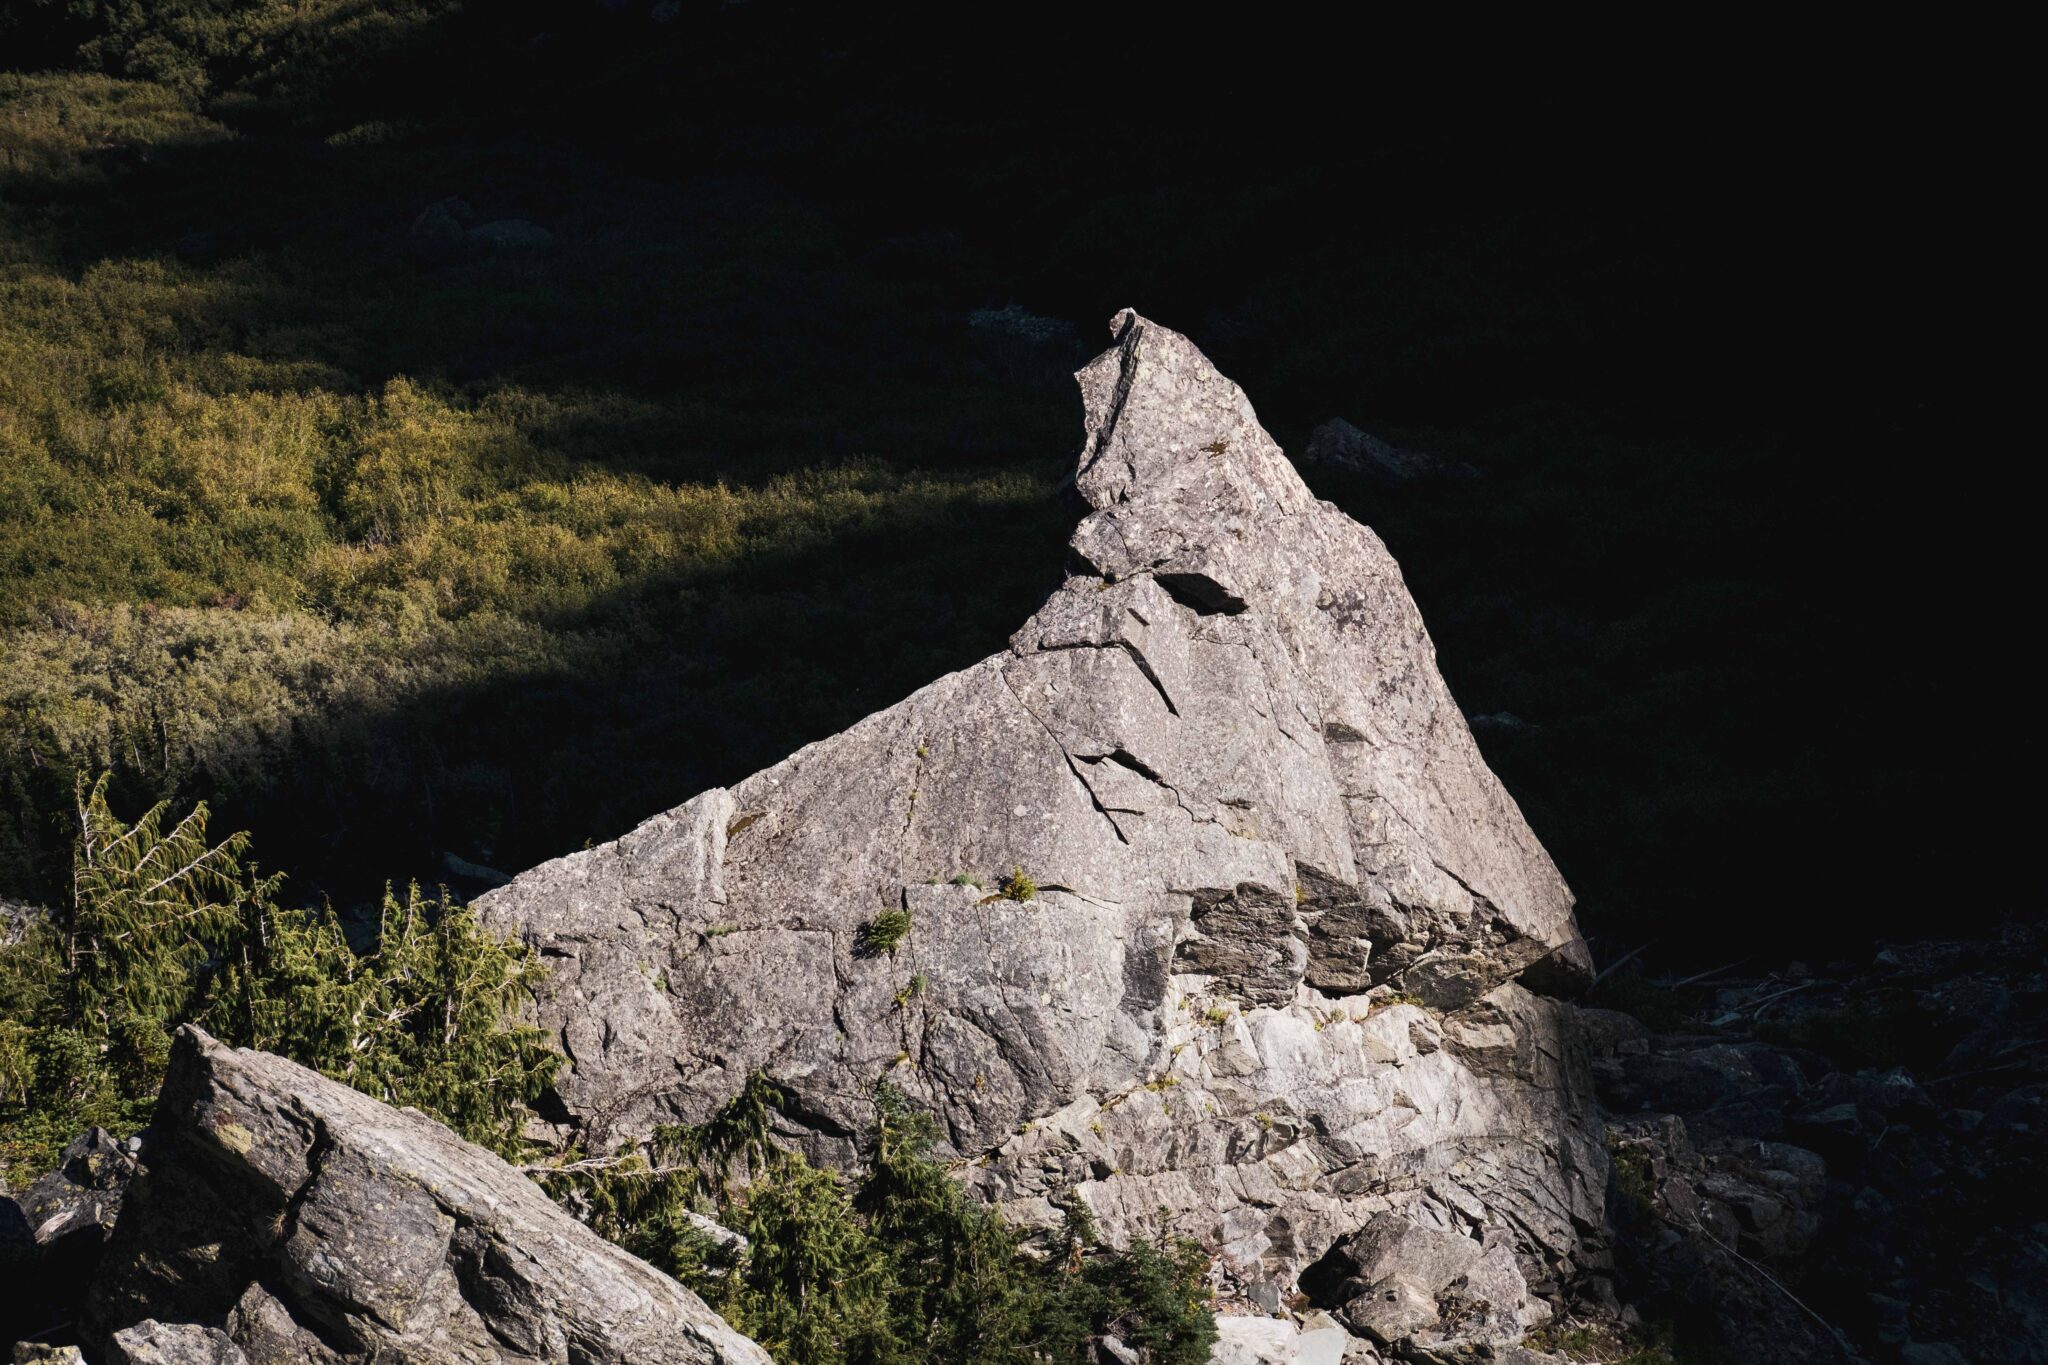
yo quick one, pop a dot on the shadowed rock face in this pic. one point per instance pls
(1223, 753)
(281, 1216)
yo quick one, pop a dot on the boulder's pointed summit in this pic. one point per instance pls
(1208, 888)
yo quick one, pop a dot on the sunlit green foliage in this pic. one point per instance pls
(425, 1018)
(882, 933)
(164, 926)
(333, 534)
(260, 51)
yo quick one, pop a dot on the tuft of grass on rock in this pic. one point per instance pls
(881, 934)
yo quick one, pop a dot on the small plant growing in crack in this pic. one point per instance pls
(882, 933)
(1018, 886)
(910, 991)
(962, 879)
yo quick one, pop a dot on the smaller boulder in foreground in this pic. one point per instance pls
(282, 1216)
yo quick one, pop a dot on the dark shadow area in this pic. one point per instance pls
(766, 231)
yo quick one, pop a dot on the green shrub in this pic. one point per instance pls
(898, 1265)
(882, 933)
(426, 1017)
(164, 925)
(1018, 886)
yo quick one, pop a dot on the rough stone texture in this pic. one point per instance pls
(282, 1216)
(1866, 1137)
(16, 919)
(174, 1343)
(1254, 817)
(82, 1197)
(1402, 1284)
(52, 1233)
(1337, 442)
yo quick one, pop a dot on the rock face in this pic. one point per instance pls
(52, 1233)
(1255, 977)
(281, 1216)
(1844, 1163)
(15, 921)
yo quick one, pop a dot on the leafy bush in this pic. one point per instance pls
(164, 925)
(342, 542)
(898, 1266)
(425, 1018)
(882, 933)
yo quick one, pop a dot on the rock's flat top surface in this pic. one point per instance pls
(1222, 754)
(285, 1217)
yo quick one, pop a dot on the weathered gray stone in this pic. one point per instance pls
(282, 1216)
(16, 919)
(266, 1330)
(1224, 754)
(174, 1343)
(52, 1234)
(1253, 1341)
(1400, 1282)
(41, 1353)
(1337, 442)
(82, 1197)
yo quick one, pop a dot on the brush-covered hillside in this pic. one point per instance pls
(439, 436)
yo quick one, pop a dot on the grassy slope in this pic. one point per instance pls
(392, 550)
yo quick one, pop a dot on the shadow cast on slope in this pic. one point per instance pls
(766, 229)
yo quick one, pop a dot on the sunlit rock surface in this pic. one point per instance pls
(1265, 985)
(283, 1217)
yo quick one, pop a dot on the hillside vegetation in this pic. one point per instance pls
(256, 546)
(395, 535)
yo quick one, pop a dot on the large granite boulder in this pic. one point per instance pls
(281, 1216)
(1216, 917)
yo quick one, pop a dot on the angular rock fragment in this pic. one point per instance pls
(174, 1343)
(282, 1216)
(52, 1234)
(1258, 828)
(1337, 442)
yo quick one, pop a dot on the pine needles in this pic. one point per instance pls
(165, 925)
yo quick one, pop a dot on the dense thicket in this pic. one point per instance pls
(899, 1266)
(259, 546)
(164, 926)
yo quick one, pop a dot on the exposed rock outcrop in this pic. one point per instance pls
(16, 919)
(1337, 442)
(1253, 973)
(281, 1216)
(52, 1233)
(1842, 1164)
